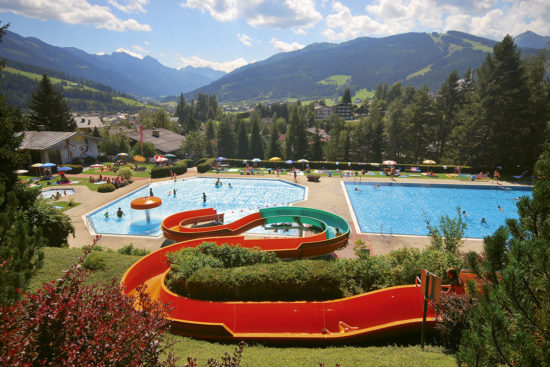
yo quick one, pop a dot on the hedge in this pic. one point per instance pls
(180, 167)
(76, 169)
(105, 188)
(205, 165)
(250, 276)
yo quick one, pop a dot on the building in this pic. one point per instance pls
(344, 111)
(165, 141)
(87, 124)
(322, 112)
(322, 133)
(59, 147)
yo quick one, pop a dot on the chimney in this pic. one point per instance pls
(155, 133)
(40, 127)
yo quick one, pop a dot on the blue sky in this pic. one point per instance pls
(226, 34)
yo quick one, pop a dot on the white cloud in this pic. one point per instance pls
(244, 39)
(72, 12)
(282, 14)
(284, 46)
(131, 5)
(487, 18)
(139, 49)
(198, 62)
(129, 52)
(101, 53)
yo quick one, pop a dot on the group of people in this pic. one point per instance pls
(117, 182)
(62, 179)
(119, 213)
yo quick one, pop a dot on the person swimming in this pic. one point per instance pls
(106, 215)
(483, 221)
(499, 208)
(204, 197)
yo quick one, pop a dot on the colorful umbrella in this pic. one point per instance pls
(256, 160)
(170, 155)
(64, 169)
(220, 159)
(37, 165)
(139, 158)
(290, 161)
(21, 171)
(390, 163)
(303, 160)
(274, 159)
(122, 154)
(48, 165)
(428, 161)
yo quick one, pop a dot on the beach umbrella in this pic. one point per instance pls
(303, 160)
(97, 165)
(256, 160)
(390, 163)
(159, 158)
(64, 169)
(275, 159)
(428, 161)
(48, 165)
(170, 155)
(290, 161)
(138, 158)
(122, 154)
(37, 165)
(219, 159)
(21, 171)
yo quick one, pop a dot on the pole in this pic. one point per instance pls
(426, 293)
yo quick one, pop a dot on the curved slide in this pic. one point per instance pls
(381, 313)
(333, 230)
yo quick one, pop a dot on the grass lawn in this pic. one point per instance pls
(58, 259)
(145, 173)
(66, 205)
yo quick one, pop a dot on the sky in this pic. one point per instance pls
(227, 34)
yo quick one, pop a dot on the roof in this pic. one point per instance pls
(88, 122)
(167, 141)
(44, 140)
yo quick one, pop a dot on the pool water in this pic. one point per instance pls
(48, 194)
(394, 208)
(245, 196)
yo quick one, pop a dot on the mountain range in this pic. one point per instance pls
(141, 77)
(320, 70)
(325, 69)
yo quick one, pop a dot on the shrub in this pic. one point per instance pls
(453, 319)
(203, 167)
(131, 250)
(55, 225)
(70, 323)
(160, 172)
(126, 173)
(106, 188)
(94, 261)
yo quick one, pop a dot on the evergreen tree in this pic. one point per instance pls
(256, 141)
(179, 108)
(48, 108)
(317, 146)
(300, 137)
(227, 141)
(396, 130)
(194, 146)
(212, 107)
(242, 140)
(420, 119)
(210, 130)
(510, 325)
(449, 102)
(274, 143)
(346, 98)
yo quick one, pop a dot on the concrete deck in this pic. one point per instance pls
(326, 195)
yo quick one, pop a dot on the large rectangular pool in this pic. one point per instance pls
(396, 208)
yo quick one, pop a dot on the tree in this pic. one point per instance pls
(420, 118)
(48, 108)
(194, 146)
(242, 140)
(274, 143)
(510, 325)
(256, 141)
(449, 102)
(227, 141)
(346, 98)
(210, 130)
(115, 144)
(317, 146)
(149, 149)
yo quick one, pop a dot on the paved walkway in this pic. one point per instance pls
(326, 195)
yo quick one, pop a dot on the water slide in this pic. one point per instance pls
(383, 313)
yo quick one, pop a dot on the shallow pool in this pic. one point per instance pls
(48, 194)
(395, 208)
(243, 197)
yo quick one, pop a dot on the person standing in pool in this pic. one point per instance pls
(119, 213)
(174, 192)
(151, 191)
(203, 197)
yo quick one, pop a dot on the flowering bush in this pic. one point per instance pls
(69, 323)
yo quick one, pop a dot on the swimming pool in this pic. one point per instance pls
(243, 197)
(395, 208)
(48, 194)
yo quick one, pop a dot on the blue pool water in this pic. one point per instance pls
(244, 197)
(403, 208)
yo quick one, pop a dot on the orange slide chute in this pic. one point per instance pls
(381, 313)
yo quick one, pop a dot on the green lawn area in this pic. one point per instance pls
(420, 72)
(66, 205)
(338, 80)
(58, 259)
(145, 173)
(38, 77)
(363, 94)
(478, 46)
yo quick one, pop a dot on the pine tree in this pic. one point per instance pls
(242, 140)
(449, 102)
(510, 325)
(49, 108)
(346, 98)
(256, 141)
(227, 140)
(274, 143)
(317, 146)
(300, 137)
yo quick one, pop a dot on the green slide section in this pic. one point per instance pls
(315, 217)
